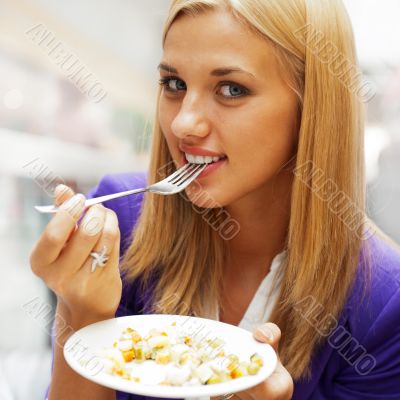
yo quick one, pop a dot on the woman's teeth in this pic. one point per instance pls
(201, 159)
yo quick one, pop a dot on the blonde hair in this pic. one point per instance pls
(174, 241)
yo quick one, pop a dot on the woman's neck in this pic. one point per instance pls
(263, 217)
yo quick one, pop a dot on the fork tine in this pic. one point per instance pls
(182, 175)
(178, 178)
(178, 172)
(190, 179)
(190, 175)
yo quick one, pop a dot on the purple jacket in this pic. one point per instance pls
(360, 359)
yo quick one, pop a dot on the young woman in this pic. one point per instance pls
(271, 237)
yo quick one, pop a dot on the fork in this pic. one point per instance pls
(172, 184)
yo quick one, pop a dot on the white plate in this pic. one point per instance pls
(82, 350)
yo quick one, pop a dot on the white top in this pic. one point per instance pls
(263, 302)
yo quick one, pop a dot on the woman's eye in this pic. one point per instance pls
(173, 84)
(228, 90)
(232, 90)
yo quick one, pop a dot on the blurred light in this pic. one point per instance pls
(376, 139)
(13, 99)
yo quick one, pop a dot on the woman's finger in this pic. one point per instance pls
(84, 239)
(268, 333)
(61, 194)
(104, 280)
(278, 386)
(109, 238)
(56, 233)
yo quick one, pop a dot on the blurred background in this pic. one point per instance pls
(77, 88)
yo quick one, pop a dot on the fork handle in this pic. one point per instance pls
(101, 199)
(53, 209)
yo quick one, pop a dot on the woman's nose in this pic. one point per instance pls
(190, 120)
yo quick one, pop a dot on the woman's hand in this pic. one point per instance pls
(279, 386)
(61, 258)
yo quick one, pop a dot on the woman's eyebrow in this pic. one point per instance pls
(229, 70)
(215, 72)
(168, 68)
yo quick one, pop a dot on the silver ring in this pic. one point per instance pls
(226, 396)
(99, 258)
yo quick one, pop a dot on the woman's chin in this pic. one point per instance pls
(200, 197)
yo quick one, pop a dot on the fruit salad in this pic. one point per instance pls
(181, 358)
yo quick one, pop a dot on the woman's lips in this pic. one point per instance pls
(211, 168)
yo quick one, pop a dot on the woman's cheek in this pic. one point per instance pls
(162, 117)
(166, 117)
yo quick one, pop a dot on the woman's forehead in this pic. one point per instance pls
(213, 24)
(216, 38)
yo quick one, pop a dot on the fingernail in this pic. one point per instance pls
(59, 189)
(93, 221)
(74, 205)
(267, 333)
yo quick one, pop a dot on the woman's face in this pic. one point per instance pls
(223, 93)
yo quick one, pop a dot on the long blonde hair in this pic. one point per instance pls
(173, 240)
